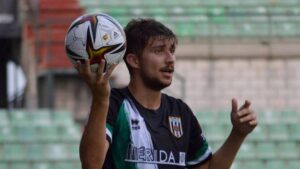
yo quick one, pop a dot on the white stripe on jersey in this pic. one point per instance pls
(108, 133)
(140, 136)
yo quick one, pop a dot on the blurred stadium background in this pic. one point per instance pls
(247, 49)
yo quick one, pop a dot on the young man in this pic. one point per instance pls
(138, 127)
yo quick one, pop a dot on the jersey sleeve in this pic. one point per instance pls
(199, 151)
(114, 106)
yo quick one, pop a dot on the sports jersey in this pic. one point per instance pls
(140, 138)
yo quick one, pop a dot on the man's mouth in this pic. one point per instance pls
(167, 69)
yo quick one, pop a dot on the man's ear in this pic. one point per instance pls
(132, 60)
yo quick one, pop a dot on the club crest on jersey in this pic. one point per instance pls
(175, 126)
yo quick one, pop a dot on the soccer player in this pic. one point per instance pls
(138, 127)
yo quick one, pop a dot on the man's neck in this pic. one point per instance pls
(148, 98)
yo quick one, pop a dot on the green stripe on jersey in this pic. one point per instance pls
(109, 127)
(201, 153)
(121, 141)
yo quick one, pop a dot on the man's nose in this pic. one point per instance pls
(170, 57)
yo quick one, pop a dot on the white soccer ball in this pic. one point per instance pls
(95, 37)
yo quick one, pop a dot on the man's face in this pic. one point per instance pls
(157, 63)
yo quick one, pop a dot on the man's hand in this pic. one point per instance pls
(98, 81)
(95, 130)
(243, 119)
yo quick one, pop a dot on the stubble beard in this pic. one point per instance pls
(154, 83)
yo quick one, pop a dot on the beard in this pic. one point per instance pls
(154, 83)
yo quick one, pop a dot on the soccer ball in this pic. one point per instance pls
(95, 37)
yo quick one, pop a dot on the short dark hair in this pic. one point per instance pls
(140, 31)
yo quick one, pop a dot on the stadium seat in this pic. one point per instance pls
(196, 10)
(269, 117)
(137, 11)
(254, 29)
(284, 29)
(246, 151)
(203, 29)
(288, 2)
(225, 30)
(69, 133)
(223, 117)
(56, 151)
(253, 164)
(14, 152)
(73, 150)
(77, 164)
(214, 145)
(158, 11)
(42, 165)
(206, 117)
(216, 11)
(208, 3)
(35, 152)
(294, 132)
(3, 118)
(259, 133)
(290, 117)
(123, 20)
(255, 17)
(236, 165)
(20, 165)
(25, 133)
(279, 10)
(288, 150)
(62, 118)
(266, 150)
(186, 29)
(116, 11)
(64, 165)
(7, 134)
(3, 165)
(240, 10)
(293, 164)
(47, 133)
(275, 164)
(41, 117)
(20, 118)
(214, 132)
(278, 131)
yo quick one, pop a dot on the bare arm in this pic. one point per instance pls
(244, 121)
(94, 146)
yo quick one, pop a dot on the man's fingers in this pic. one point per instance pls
(248, 117)
(253, 122)
(87, 66)
(100, 70)
(234, 105)
(245, 105)
(101, 67)
(77, 65)
(111, 69)
(80, 66)
(245, 112)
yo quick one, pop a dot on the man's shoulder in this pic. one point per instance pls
(121, 92)
(117, 95)
(174, 100)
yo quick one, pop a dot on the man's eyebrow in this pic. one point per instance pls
(158, 45)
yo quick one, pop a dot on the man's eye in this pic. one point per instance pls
(158, 50)
(172, 50)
